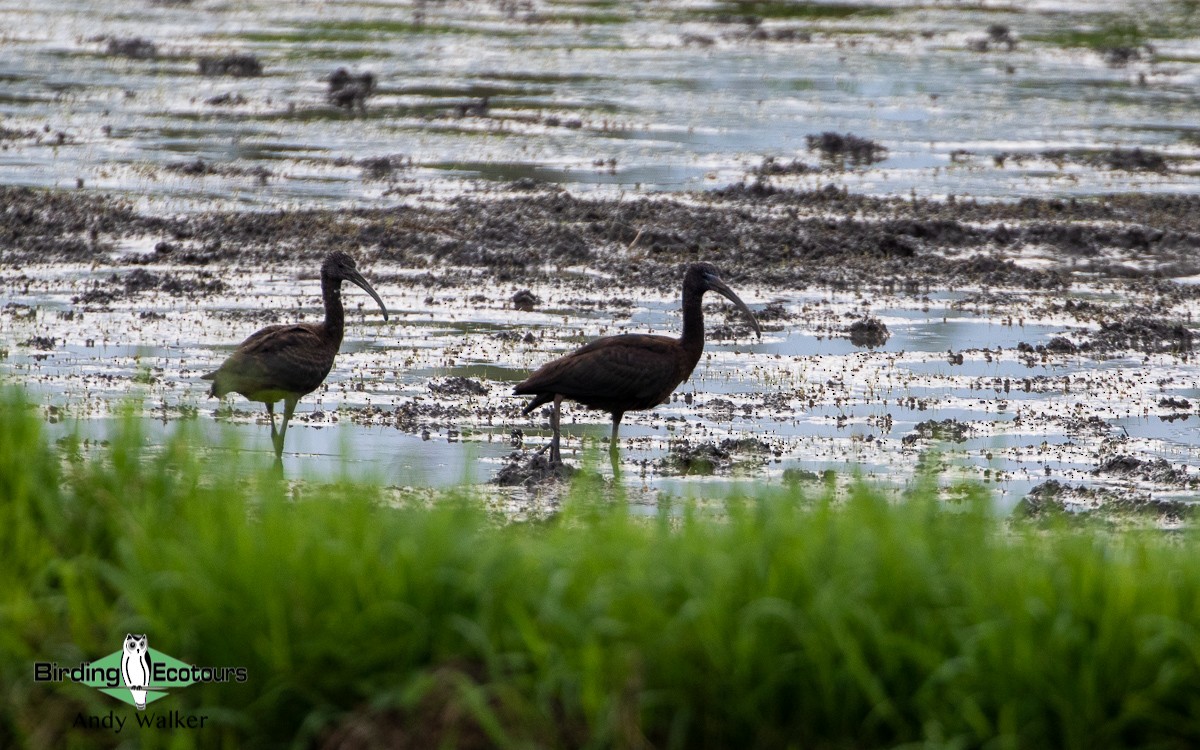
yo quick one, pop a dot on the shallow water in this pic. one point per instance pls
(593, 96)
(814, 399)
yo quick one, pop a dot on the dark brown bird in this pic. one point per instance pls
(286, 362)
(633, 371)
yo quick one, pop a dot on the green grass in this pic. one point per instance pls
(799, 10)
(1114, 34)
(782, 621)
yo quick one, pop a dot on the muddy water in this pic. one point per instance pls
(814, 400)
(1022, 98)
(615, 99)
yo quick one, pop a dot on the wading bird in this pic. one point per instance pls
(633, 371)
(286, 362)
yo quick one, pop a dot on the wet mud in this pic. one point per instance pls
(1054, 501)
(532, 469)
(1066, 358)
(754, 233)
(731, 454)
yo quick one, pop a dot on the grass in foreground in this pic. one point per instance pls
(787, 623)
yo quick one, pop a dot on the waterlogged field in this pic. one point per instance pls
(786, 620)
(203, 102)
(425, 399)
(191, 109)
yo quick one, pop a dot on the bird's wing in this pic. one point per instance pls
(635, 369)
(279, 358)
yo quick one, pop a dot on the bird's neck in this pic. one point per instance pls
(693, 325)
(335, 315)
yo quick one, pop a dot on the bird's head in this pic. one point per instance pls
(340, 266)
(704, 277)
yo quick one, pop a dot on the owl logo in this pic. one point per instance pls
(135, 667)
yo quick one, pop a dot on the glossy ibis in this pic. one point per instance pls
(286, 362)
(632, 371)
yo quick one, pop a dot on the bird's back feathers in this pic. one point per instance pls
(628, 372)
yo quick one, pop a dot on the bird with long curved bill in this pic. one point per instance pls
(633, 371)
(286, 362)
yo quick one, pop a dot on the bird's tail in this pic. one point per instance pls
(542, 398)
(213, 377)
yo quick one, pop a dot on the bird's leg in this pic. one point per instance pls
(612, 444)
(555, 419)
(289, 407)
(271, 413)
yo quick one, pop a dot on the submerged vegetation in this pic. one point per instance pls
(781, 620)
(800, 10)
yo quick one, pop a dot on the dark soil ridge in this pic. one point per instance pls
(1055, 500)
(754, 233)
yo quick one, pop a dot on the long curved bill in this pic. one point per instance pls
(723, 289)
(357, 278)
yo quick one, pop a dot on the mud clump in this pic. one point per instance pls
(96, 296)
(1157, 470)
(350, 91)
(1052, 500)
(998, 33)
(708, 458)
(702, 459)
(1091, 426)
(228, 99)
(134, 48)
(778, 402)
(1117, 160)
(843, 148)
(720, 408)
(1061, 345)
(1141, 334)
(793, 476)
(998, 36)
(204, 284)
(787, 34)
(530, 471)
(869, 332)
(947, 430)
(418, 416)
(772, 313)
(236, 65)
(1174, 403)
(1056, 345)
(1135, 160)
(139, 280)
(14, 134)
(772, 167)
(41, 343)
(195, 168)
(746, 445)
(1118, 56)
(458, 386)
(525, 301)
(200, 168)
(380, 168)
